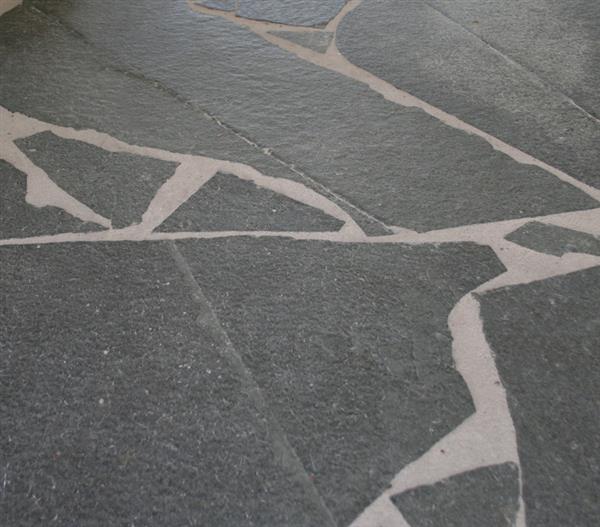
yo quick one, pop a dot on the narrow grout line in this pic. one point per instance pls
(282, 449)
(513, 62)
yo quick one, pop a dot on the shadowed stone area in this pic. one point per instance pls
(83, 89)
(118, 405)
(558, 41)
(18, 219)
(228, 203)
(418, 49)
(291, 12)
(546, 341)
(116, 185)
(351, 346)
(554, 240)
(399, 164)
(317, 41)
(486, 497)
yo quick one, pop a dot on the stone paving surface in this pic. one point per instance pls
(299, 263)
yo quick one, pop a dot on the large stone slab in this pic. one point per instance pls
(419, 50)
(82, 89)
(118, 405)
(486, 496)
(18, 219)
(291, 12)
(351, 346)
(400, 165)
(116, 185)
(558, 41)
(555, 240)
(227, 203)
(546, 339)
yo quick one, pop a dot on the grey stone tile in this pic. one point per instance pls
(118, 406)
(317, 41)
(351, 346)
(546, 338)
(18, 219)
(417, 49)
(81, 90)
(555, 240)
(398, 164)
(558, 41)
(227, 203)
(223, 5)
(487, 497)
(291, 12)
(116, 185)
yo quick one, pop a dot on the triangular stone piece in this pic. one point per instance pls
(551, 239)
(116, 185)
(18, 219)
(487, 497)
(316, 40)
(227, 203)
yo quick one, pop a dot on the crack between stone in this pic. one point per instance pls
(132, 72)
(282, 449)
(546, 83)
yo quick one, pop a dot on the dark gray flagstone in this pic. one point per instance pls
(397, 163)
(555, 240)
(317, 41)
(546, 340)
(119, 405)
(227, 203)
(19, 219)
(116, 185)
(419, 50)
(485, 497)
(291, 12)
(351, 346)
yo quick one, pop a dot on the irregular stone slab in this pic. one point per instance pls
(227, 203)
(118, 406)
(557, 41)
(116, 185)
(223, 5)
(317, 41)
(419, 50)
(291, 12)
(351, 346)
(18, 219)
(398, 164)
(487, 497)
(81, 89)
(555, 240)
(546, 338)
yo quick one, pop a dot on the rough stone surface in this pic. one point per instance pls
(223, 5)
(227, 203)
(355, 337)
(117, 404)
(317, 41)
(546, 340)
(398, 164)
(487, 497)
(116, 185)
(291, 12)
(82, 88)
(558, 41)
(419, 50)
(555, 240)
(18, 219)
